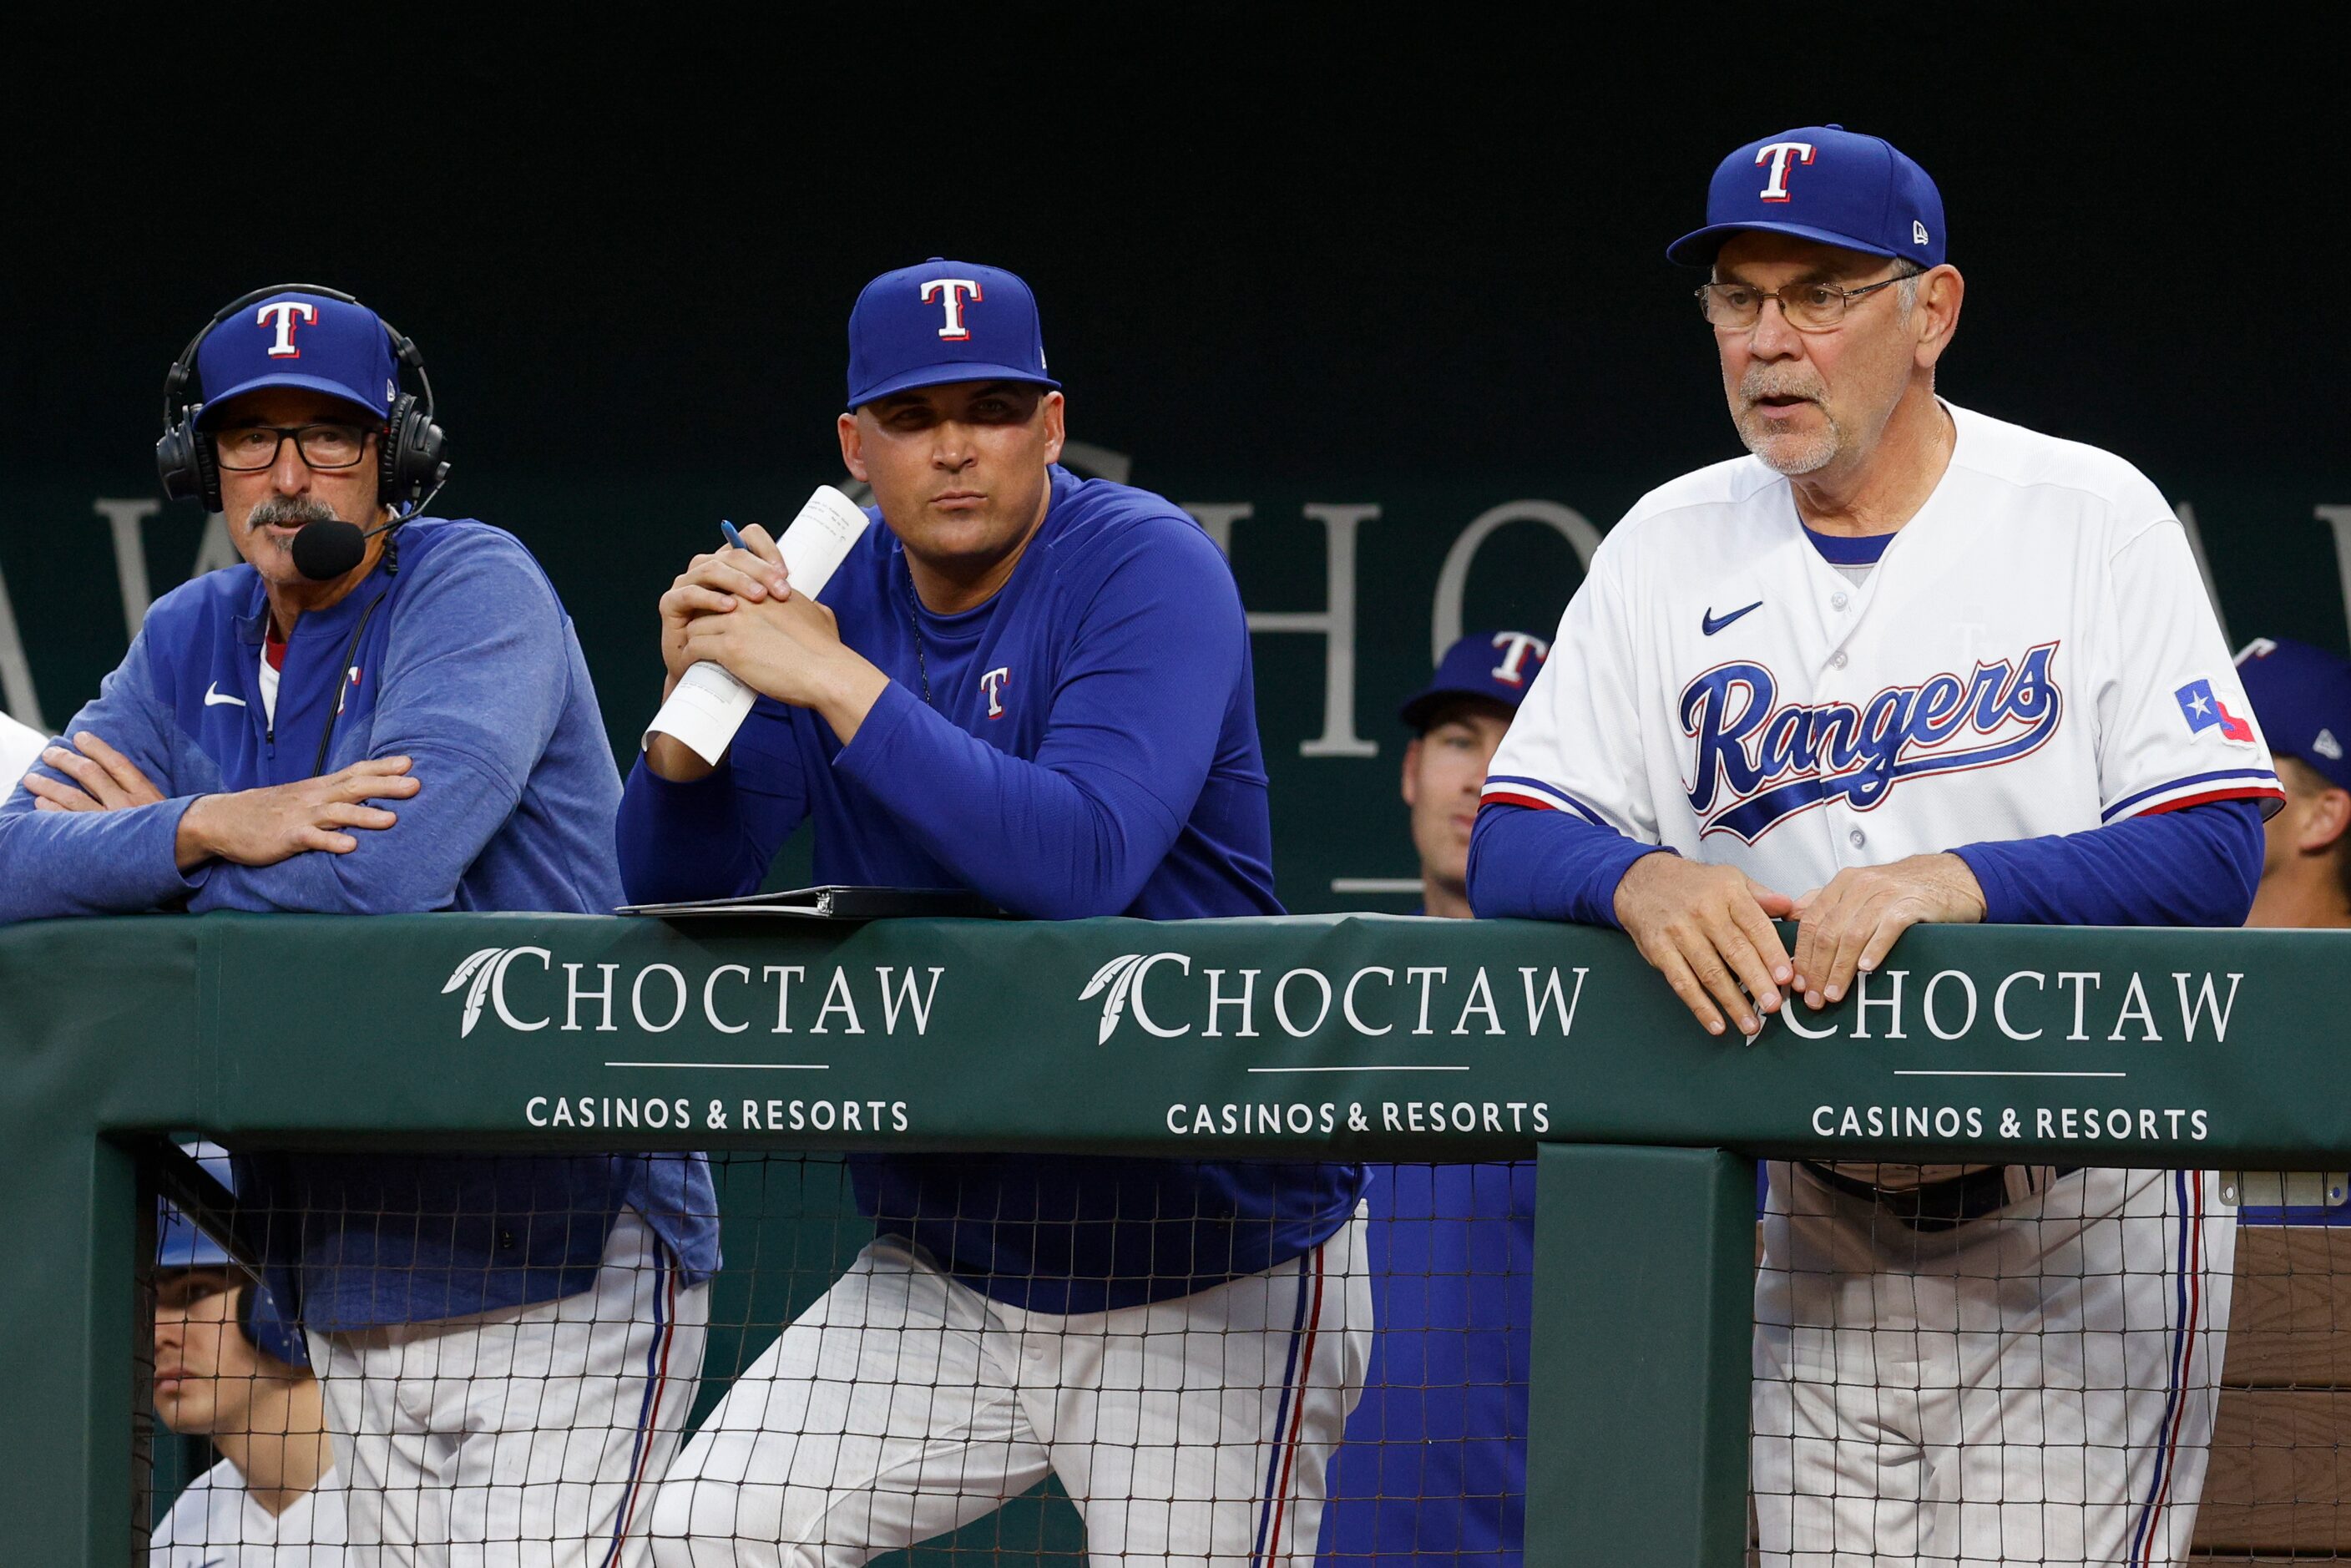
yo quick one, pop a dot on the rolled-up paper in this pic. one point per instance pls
(709, 703)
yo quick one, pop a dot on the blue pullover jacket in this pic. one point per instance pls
(467, 662)
(1084, 743)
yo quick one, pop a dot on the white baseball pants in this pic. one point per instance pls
(2036, 1386)
(531, 1437)
(904, 1404)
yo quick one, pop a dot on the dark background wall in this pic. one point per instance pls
(1286, 258)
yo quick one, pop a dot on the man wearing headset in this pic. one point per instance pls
(396, 722)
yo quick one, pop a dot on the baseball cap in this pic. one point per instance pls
(180, 1244)
(943, 321)
(1498, 667)
(297, 340)
(1823, 182)
(2301, 695)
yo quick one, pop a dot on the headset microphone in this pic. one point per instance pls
(325, 551)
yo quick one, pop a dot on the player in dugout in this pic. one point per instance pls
(1904, 663)
(2301, 695)
(1435, 1463)
(230, 1368)
(390, 720)
(1035, 687)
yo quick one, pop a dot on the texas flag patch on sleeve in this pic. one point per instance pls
(2203, 711)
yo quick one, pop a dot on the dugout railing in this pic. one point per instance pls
(1371, 1036)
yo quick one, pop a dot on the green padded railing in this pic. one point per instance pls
(1297, 1038)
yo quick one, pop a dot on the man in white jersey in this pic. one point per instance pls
(230, 1368)
(1904, 663)
(20, 747)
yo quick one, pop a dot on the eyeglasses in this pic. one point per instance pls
(1808, 306)
(249, 447)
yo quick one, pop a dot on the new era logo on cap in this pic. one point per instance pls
(943, 321)
(1823, 182)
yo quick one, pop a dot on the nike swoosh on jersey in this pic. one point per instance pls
(1710, 622)
(214, 697)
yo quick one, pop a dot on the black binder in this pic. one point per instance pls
(837, 902)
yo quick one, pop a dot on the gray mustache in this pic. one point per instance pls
(288, 511)
(1755, 389)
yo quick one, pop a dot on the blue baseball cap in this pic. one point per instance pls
(2301, 695)
(1823, 182)
(1496, 667)
(179, 1244)
(943, 321)
(297, 340)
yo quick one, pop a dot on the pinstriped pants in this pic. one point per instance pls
(904, 1404)
(529, 1438)
(2037, 1387)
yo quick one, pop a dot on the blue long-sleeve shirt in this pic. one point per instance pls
(463, 660)
(2195, 866)
(1082, 744)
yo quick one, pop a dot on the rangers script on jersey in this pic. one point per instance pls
(2033, 653)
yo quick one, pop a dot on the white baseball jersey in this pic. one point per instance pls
(215, 1524)
(20, 747)
(2033, 653)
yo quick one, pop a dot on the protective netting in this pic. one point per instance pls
(2031, 1366)
(2039, 1366)
(854, 1396)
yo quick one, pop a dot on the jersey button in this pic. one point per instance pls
(1856, 838)
(1836, 660)
(1836, 600)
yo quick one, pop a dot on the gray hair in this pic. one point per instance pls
(1909, 272)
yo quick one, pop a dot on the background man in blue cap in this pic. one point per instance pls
(230, 1368)
(1457, 721)
(1037, 688)
(1903, 664)
(2301, 695)
(234, 761)
(1435, 1463)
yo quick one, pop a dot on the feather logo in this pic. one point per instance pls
(488, 970)
(1120, 978)
(1117, 975)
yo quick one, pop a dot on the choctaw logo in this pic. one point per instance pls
(1121, 978)
(1759, 763)
(488, 971)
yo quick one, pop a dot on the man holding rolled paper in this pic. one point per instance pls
(1036, 688)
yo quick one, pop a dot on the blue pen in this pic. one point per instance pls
(732, 537)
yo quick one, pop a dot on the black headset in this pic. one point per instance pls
(414, 454)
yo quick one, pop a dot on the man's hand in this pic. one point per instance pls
(712, 585)
(262, 827)
(791, 649)
(108, 780)
(1851, 924)
(1708, 929)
